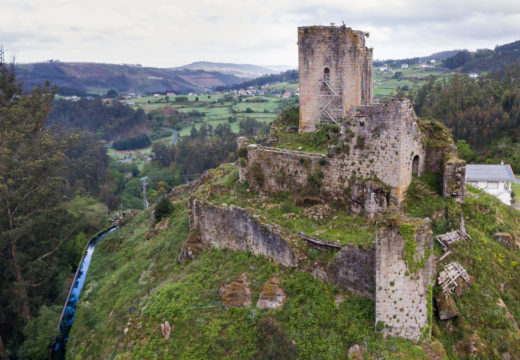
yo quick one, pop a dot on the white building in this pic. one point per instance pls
(493, 179)
(404, 66)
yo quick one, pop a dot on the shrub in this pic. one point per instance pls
(257, 173)
(163, 208)
(242, 152)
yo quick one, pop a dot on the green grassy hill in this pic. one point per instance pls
(135, 284)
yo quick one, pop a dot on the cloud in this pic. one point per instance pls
(175, 32)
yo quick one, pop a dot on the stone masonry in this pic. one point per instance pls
(333, 60)
(384, 141)
(402, 302)
(231, 227)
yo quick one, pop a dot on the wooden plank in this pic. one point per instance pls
(319, 244)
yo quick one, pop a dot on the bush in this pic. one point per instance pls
(163, 208)
(273, 342)
(242, 152)
(257, 173)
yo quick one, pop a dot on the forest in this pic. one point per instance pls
(484, 112)
(106, 122)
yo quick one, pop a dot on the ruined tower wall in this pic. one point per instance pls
(383, 140)
(403, 298)
(342, 51)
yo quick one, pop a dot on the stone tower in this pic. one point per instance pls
(335, 73)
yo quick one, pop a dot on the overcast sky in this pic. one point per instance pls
(174, 32)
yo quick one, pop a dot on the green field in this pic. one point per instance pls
(385, 83)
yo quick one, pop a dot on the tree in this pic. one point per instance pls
(464, 151)
(163, 208)
(33, 220)
(111, 94)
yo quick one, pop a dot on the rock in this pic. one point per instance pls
(165, 330)
(446, 306)
(434, 350)
(355, 352)
(369, 198)
(237, 293)
(191, 248)
(463, 286)
(271, 296)
(470, 347)
(506, 239)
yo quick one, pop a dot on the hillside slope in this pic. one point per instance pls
(135, 284)
(247, 71)
(89, 77)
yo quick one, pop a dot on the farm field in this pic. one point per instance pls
(215, 109)
(386, 83)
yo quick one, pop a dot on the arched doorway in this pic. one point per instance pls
(415, 165)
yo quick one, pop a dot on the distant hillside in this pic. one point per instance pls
(96, 78)
(241, 70)
(485, 60)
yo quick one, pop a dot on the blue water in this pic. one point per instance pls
(72, 301)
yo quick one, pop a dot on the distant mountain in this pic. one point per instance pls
(248, 71)
(95, 77)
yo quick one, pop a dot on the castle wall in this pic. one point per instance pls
(342, 51)
(231, 227)
(402, 301)
(385, 141)
(453, 179)
(354, 269)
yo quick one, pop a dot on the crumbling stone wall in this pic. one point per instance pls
(403, 298)
(353, 268)
(233, 228)
(453, 179)
(343, 53)
(383, 141)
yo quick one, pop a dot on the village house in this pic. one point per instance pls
(496, 180)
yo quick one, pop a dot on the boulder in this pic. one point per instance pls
(446, 306)
(506, 239)
(237, 293)
(271, 296)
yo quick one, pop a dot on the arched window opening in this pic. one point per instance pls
(415, 165)
(326, 74)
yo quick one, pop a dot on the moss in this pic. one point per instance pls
(317, 141)
(407, 232)
(360, 142)
(257, 173)
(242, 152)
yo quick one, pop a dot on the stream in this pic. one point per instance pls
(69, 310)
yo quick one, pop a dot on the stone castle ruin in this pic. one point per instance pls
(335, 73)
(377, 149)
